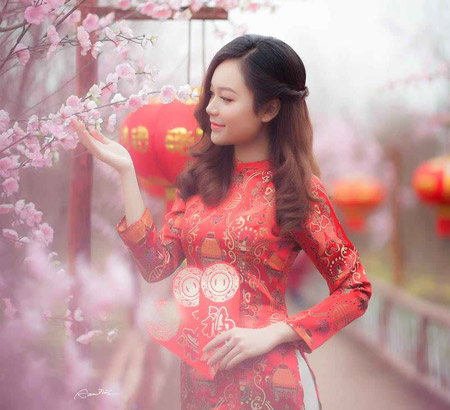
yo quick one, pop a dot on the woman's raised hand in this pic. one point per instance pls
(105, 149)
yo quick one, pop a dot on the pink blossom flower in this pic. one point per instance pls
(227, 4)
(51, 51)
(126, 72)
(32, 150)
(67, 141)
(10, 185)
(74, 18)
(83, 38)
(110, 86)
(184, 93)
(110, 34)
(98, 45)
(86, 338)
(91, 22)
(78, 315)
(253, 6)
(184, 15)
(53, 35)
(10, 233)
(30, 215)
(108, 90)
(6, 163)
(42, 160)
(125, 29)
(174, 4)
(37, 14)
(118, 102)
(75, 102)
(107, 20)
(147, 8)
(196, 5)
(111, 335)
(47, 314)
(22, 240)
(91, 108)
(124, 4)
(23, 54)
(122, 50)
(18, 206)
(95, 91)
(162, 12)
(151, 72)
(47, 231)
(33, 124)
(167, 94)
(54, 4)
(134, 102)
(112, 78)
(18, 132)
(4, 120)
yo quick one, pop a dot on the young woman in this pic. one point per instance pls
(245, 207)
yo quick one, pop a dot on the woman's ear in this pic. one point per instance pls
(271, 109)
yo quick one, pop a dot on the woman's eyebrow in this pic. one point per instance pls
(225, 88)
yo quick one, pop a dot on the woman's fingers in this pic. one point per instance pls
(98, 136)
(85, 138)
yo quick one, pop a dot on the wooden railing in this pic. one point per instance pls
(411, 333)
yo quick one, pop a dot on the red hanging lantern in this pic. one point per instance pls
(158, 136)
(431, 182)
(357, 196)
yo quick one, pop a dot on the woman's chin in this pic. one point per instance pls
(215, 138)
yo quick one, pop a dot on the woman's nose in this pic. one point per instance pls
(211, 109)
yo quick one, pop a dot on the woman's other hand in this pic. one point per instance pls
(242, 343)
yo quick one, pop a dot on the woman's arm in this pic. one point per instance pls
(156, 254)
(337, 260)
(132, 198)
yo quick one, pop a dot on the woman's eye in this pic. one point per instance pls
(223, 98)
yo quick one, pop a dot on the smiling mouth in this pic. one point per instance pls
(215, 126)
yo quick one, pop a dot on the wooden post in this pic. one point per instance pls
(397, 243)
(81, 185)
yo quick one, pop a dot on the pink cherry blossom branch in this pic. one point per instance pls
(24, 31)
(11, 28)
(74, 8)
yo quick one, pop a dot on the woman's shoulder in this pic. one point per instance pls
(318, 187)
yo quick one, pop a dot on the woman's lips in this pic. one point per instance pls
(215, 126)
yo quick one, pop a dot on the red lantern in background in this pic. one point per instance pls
(431, 181)
(158, 136)
(357, 196)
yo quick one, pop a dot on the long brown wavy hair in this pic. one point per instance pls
(271, 69)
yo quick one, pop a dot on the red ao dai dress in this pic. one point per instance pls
(242, 233)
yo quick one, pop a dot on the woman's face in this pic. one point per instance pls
(231, 106)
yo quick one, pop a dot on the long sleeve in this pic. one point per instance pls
(157, 254)
(337, 260)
